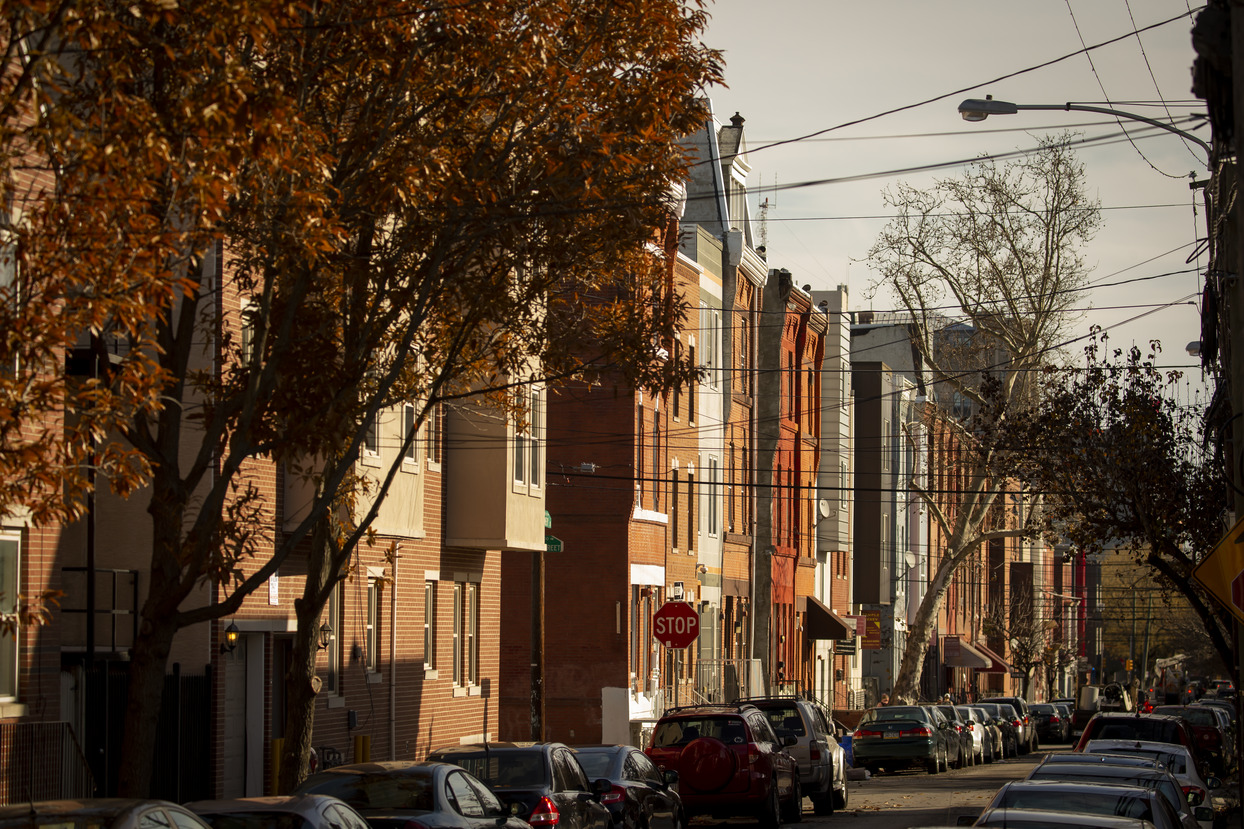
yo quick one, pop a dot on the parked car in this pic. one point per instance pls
(642, 796)
(1211, 737)
(1117, 725)
(545, 781)
(966, 750)
(1088, 798)
(1051, 726)
(1008, 722)
(1178, 760)
(392, 795)
(1027, 732)
(993, 732)
(897, 736)
(1158, 779)
(1067, 711)
(1222, 687)
(1082, 757)
(99, 813)
(295, 811)
(981, 744)
(729, 762)
(822, 762)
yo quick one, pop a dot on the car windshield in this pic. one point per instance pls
(786, 716)
(896, 712)
(1135, 728)
(1173, 762)
(597, 764)
(257, 820)
(1192, 715)
(505, 769)
(377, 791)
(683, 730)
(1041, 708)
(1094, 803)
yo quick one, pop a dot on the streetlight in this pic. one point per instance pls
(977, 109)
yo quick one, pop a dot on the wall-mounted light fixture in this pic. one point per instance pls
(231, 638)
(326, 635)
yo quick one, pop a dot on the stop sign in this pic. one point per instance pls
(675, 625)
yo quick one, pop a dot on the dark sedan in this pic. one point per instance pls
(642, 797)
(545, 780)
(896, 736)
(396, 794)
(1051, 725)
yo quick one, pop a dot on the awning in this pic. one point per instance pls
(959, 654)
(999, 665)
(823, 623)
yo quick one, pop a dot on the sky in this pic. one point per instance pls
(798, 67)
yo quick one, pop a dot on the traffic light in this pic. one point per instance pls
(1129, 664)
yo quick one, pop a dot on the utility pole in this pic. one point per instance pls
(1235, 308)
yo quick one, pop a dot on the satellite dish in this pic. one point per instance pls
(822, 507)
(910, 559)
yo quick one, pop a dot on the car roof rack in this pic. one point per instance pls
(702, 705)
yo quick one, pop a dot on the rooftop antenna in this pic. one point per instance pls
(764, 212)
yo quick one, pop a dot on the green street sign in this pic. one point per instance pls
(548, 520)
(552, 544)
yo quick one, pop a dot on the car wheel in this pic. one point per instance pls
(823, 803)
(793, 812)
(840, 796)
(935, 764)
(771, 816)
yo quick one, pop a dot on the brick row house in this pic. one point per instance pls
(508, 590)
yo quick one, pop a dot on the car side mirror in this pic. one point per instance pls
(516, 808)
(967, 820)
(601, 787)
(1213, 783)
(671, 778)
(787, 739)
(1203, 813)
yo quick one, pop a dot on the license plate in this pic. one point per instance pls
(891, 735)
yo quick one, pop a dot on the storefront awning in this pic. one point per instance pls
(823, 623)
(959, 654)
(999, 665)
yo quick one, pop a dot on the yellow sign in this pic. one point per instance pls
(1222, 571)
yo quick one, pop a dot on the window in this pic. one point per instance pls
(712, 497)
(842, 482)
(656, 452)
(250, 325)
(674, 508)
(677, 389)
(10, 553)
(466, 633)
(527, 442)
(691, 392)
(692, 527)
(372, 626)
(641, 433)
(332, 673)
(885, 444)
(371, 438)
(429, 625)
(433, 426)
(410, 440)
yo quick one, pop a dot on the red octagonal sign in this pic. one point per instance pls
(1237, 591)
(675, 624)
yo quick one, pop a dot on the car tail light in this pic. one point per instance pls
(615, 795)
(1017, 723)
(1054, 719)
(865, 732)
(920, 731)
(814, 750)
(545, 814)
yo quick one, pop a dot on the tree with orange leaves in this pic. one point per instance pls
(260, 223)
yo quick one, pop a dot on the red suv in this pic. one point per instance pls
(729, 761)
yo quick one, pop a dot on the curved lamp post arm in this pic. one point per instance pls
(978, 109)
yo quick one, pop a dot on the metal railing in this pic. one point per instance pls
(42, 761)
(713, 681)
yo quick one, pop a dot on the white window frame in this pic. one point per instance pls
(429, 625)
(371, 625)
(434, 427)
(332, 670)
(410, 451)
(370, 448)
(10, 646)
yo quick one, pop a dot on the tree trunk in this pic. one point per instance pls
(300, 683)
(148, 664)
(910, 669)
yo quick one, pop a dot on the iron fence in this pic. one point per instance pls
(42, 761)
